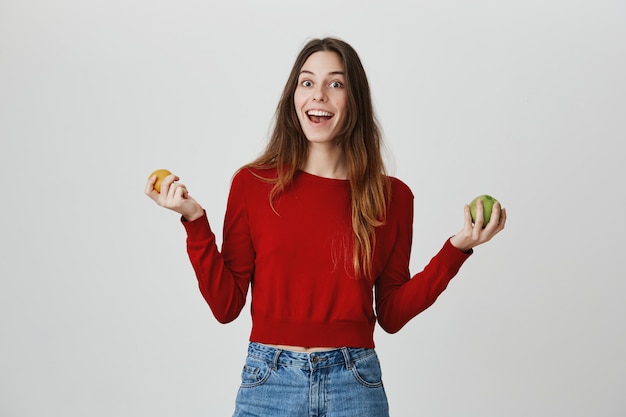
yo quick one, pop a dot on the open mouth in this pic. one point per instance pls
(318, 116)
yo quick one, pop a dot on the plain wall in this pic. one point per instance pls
(100, 314)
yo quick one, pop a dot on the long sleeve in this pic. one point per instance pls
(400, 296)
(295, 256)
(223, 277)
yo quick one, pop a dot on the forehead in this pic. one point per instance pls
(323, 63)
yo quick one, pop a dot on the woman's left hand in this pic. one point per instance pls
(473, 233)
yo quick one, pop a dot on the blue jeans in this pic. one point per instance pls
(342, 382)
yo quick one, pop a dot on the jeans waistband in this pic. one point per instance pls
(340, 356)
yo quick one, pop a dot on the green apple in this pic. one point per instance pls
(488, 202)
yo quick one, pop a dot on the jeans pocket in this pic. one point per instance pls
(367, 371)
(255, 372)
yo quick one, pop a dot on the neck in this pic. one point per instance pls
(326, 161)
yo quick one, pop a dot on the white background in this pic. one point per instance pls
(524, 100)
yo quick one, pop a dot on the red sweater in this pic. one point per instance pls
(298, 263)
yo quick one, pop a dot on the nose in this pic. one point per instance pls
(319, 94)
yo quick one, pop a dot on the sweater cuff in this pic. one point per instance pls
(198, 229)
(452, 250)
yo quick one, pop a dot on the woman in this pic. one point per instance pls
(321, 234)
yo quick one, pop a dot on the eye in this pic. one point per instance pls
(336, 84)
(306, 83)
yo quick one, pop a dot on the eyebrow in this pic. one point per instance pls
(330, 73)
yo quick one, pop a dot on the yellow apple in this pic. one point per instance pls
(161, 174)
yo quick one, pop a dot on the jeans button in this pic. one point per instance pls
(315, 359)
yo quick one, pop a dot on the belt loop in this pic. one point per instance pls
(346, 357)
(277, 353)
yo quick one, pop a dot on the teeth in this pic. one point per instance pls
(319, 113)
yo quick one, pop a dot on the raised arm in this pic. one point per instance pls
(223, 276)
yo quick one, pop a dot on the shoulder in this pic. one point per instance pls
(248, 175)
(399, 189)
(400, 204)
(249, 184)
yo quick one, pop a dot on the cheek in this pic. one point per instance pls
(341, 101)
(298, 98)
(343, 106)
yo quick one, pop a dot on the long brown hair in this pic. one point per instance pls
(360, 139)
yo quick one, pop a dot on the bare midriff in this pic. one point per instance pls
(302, 348)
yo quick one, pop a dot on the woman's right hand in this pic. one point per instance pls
(174, 196)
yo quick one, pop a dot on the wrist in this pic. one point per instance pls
(193, 216)
(458, 243)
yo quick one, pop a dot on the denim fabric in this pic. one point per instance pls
(342, 382)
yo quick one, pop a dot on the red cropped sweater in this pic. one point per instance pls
(297, 260)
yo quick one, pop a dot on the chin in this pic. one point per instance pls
(320, 141)
(320, 138)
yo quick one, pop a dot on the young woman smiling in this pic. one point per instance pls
(322, 236)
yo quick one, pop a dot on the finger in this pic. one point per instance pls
(502, 220)
(169, 180)
(150, 191)
(180, 192)
(480, 215)
(175, 189)
(167, 183)
(494, 227)
(467, 218)
(495, 212)
(150, 184)
(499, 215)
(494, 220)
